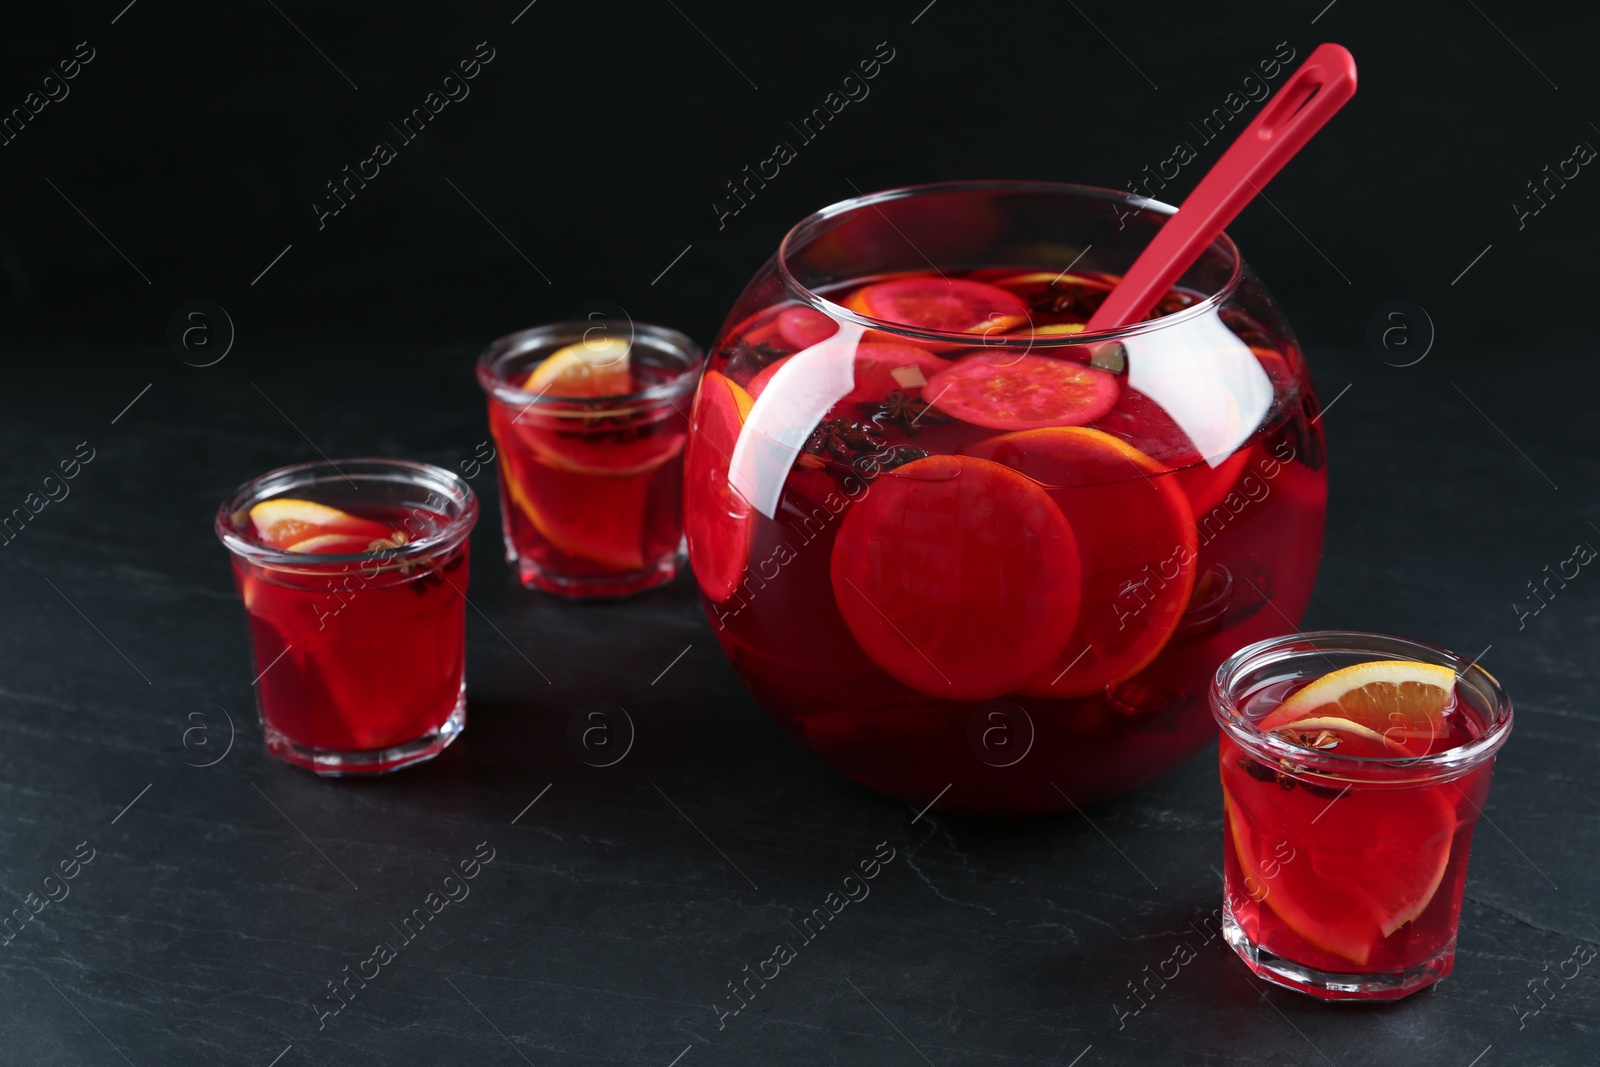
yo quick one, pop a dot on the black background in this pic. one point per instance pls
(200, 136)
(595, 143)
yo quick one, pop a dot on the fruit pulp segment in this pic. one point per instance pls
(1348, 878)
(843, 611)
(359, 657)
(589, 498)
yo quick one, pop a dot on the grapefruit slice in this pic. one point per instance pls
(883, 368)
(805, 326)
(1402, 700)
(1370, 863)
(953, 305)
(717, 519)
(1145, 424)
(591, 368)
(880, 369)
(1136, 540)
(596, 519)
(287, 521)
(957, 576)
(1028, 393)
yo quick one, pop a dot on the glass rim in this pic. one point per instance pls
(272, 484)
(503, 349)
(1450, 763)
(1209, 304)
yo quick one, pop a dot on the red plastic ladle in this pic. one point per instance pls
(1324, 83)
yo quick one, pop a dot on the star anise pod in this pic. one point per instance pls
(843, 440)
(746, 360)
(1262, 772)
(910, 413)
(433, 571)
(1321, 740)
(1259, 771)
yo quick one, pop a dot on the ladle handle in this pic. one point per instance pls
(1324, 83)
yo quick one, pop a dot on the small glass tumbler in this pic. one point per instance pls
(359, 657)
(591, 488)
(1343, 874)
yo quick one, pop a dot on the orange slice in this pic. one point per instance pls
(597, 519)
(717, 518)
(1136, 540)
(1400, 699)
(1318, 723)
(344, 544)
(287, 521)
(1370, 863)
(958, 576)
(586, 369)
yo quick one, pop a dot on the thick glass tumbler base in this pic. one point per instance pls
(1330, 985)
(579, 587)
(333, 764)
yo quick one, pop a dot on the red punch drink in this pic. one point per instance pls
(968, 553)
(353, 577)
(1351, 783)
(589, 422)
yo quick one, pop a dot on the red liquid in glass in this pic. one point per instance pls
(363, 656)
(1359, 880)
(1163, 602)
(592, 502)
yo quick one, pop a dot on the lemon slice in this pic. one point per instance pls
(287, 521)
(1061, 278)
(586, 369)
(1396, 698)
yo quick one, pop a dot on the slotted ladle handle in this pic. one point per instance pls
(1324, 83)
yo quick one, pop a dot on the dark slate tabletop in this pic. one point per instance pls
(219, 895)
(612, 906)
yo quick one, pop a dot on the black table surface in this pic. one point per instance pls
(226, 890)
